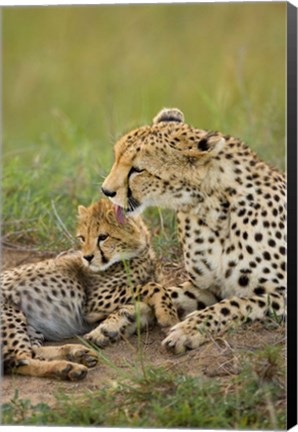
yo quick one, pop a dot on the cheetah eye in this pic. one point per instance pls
(81, 238)
(101, 238)
(134, 170)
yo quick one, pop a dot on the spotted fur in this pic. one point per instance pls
(231, 215)
(97, 292)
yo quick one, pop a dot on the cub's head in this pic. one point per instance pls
(106, 241)
(160, 165)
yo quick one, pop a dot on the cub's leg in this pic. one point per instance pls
(194, 330)
(187, 298)
(61, 369)
(18, 353)
(160, 300)
(73, 352)
(121, 323)
(15, 341)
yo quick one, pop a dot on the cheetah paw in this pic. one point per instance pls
(84, 356)
(102, 336)
(167, 320)
(183, 337)
(69, 371)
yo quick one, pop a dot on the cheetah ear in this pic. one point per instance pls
(213, 143)
(169, 115)
(82, 210)
(206, 146)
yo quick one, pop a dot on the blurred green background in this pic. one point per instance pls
(76, 78)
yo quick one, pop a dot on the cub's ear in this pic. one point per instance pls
(82, 210)
(169, 115)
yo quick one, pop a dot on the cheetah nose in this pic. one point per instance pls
(108, 193)
(88, 258)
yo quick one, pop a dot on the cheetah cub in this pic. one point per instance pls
(96, 292)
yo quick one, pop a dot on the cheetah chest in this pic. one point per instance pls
(202, 251)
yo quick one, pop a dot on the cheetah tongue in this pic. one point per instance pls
(120, 216)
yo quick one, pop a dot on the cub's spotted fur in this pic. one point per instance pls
(231, 216)
(95, 293)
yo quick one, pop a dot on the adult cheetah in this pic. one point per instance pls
(96, 293)
(231, 219)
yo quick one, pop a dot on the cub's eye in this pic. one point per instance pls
(101, 237)
(81, 238)
(134, 170)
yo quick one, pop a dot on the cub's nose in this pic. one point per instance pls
(89, 258)
(108, 193)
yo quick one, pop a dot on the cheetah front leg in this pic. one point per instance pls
(120, 324)
(198, 325)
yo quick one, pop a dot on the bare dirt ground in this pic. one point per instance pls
(219, 357)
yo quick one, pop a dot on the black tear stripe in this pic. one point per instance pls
(134, 170)
(133, 203)
(104, 259)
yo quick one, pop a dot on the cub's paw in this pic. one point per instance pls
(184, 336)
(68, 371)
(103, 336)
(167, 318)
(82, 355)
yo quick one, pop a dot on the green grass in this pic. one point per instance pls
(95, 72)
(45, 196)
(159, 397)
(40, 205)
(110, 68)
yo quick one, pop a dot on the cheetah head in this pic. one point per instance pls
(160, 165)
(106, 241)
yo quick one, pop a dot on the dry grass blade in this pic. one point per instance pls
(61, 225)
